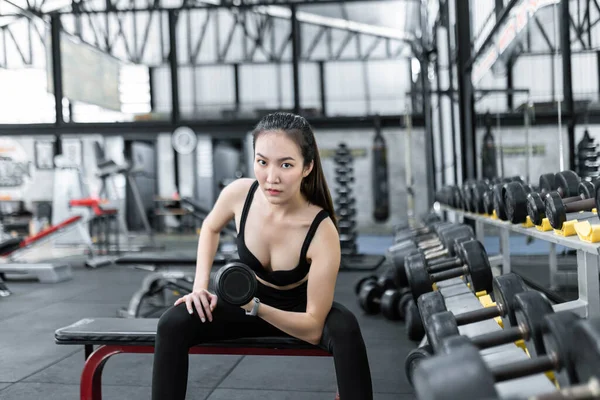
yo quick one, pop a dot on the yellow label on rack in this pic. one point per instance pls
(528, 223)
(588, 232)
(545, 226)
(494, 216)
(568, 229)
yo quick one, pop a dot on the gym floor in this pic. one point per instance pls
(32, 366)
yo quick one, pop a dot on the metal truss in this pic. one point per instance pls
(584, 29)
(584, 22)
(22, 32)
(207, 32)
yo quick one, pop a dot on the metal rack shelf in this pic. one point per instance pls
(588, 258)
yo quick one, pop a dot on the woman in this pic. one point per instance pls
(287, 234)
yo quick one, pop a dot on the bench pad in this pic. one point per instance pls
(142, 331)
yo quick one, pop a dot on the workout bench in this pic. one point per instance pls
(116, 335)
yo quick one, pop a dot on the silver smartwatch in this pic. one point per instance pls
(254, 311)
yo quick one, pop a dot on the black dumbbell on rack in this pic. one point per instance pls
(473, 263)
(451, 255)
(572, 353)
(536, 206)
(556, 210)
(505, 288)
(439, 244)
(528, 310)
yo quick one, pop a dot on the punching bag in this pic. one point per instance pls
(381, 195)
(489, 166)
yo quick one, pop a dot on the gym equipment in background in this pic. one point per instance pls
(132, 171)
(381, 188)
(345, 204)
(586, 158)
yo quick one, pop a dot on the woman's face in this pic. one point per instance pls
(278, 166)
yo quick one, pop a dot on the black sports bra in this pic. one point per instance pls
(279, 278)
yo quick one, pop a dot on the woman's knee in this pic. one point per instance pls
(174, 322)
(341, 323)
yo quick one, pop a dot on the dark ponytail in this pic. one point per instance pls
(314, 186)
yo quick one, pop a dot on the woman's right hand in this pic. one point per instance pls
(204, 301)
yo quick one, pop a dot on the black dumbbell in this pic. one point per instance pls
(414, 357)
(474, 264)
(434, 261)
(427, 241)
(510, 199)
(482, 194)
(448, 236)
(394, 303)
(529, 308)
(365, 280)
(557, 210)
(505, 287)
(235, 284)
(426, 237)
(536, 208)
(412, 320)
(572, 353)
(472, 192)
(369, 296)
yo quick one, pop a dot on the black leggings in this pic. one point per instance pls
(178, 331)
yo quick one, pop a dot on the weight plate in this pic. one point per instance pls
(414, 325)
(515, 202)
(478, 197)
(547, 183)
(403, 303)
(567, 182)
(184, 140)
(235, 284)
(429, 304)
(488, 202)
(505, 287)
(401, 279)
(452, 344)
(363, 281)
(530, 309)
(536, 208)
(413, 358)
(480, 270)
(587, 190)
(440, 326)
(460, 375)
(559, 342)
(585, 354)
(417, 276)
(555, 210)
(448, 237)
(389, 304)
(368, 298)
(498, 201)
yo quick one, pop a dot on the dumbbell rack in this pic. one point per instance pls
(345, 203)
(460, 299)
(588, 258)
(345, 208)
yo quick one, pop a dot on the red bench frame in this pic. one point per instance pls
(91, 377)
(48, 231)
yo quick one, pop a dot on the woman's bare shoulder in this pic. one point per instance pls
(238, 189)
